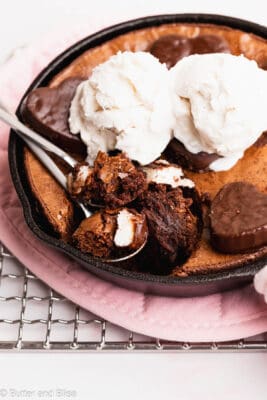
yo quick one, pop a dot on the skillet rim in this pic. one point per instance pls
(246, 269)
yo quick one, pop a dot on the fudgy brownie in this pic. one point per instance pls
(114, 181)
(174, 230)
(95, 234)
(111, 232)
(173, 227)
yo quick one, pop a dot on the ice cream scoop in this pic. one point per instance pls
(220, 105)
(125, 105)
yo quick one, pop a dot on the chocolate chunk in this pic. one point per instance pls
(174, 229)
(46, 110)
(238, 218)
(114, 181)
(177, 153)
(171, 48)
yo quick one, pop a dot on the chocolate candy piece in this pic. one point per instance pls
(172, 48)
(177, 153)
(46, 110)
(238, 218)
(209, 44)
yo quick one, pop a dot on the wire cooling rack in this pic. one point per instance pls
(34, 317)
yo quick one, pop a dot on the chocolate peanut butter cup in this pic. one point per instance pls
(46, 110)
(238, 218)
(177, 153)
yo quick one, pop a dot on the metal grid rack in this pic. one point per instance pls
(34, 317)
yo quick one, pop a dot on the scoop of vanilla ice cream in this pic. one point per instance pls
(219, 104)
(125, 105)
(95, 139)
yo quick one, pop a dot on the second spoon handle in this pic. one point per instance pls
(11, 120)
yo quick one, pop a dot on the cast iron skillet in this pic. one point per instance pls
(161, 285)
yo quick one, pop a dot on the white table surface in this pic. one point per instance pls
(99, 376)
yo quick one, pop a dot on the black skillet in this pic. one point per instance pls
(161, 285)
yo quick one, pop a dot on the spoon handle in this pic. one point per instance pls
(39, 152)
(54, 170)
(11, 120)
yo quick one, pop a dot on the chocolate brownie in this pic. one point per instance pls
(174, 230)
(95, 234)
(111, 233)
(114, 181)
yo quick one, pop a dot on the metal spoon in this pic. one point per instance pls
(38, 145)
(25, 132)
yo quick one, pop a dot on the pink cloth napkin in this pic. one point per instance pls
(222, 316)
